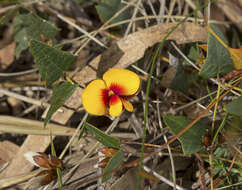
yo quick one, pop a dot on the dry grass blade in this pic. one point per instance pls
(163, 179)
(23, 98)
(9, 124)
(18, 73)
(68, 21)
(7, 182)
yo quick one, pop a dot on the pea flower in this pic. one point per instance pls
(110, 95)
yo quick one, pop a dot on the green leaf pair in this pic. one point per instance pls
(52, 63)
(111, 142)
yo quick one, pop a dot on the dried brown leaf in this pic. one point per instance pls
(19, 164)
(7, 152)
(9, 124)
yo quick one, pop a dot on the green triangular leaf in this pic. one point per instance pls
(116, 160)
(218, 59)
(107, 8)
(182, 80)
(51, 62)
(235, 107)
(193, 55)
(61, 93)
(191, 140)
(30, 26)
(106, 140)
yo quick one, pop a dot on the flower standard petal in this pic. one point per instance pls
(122, 81)
(115, 106)
(94, 97)
(127, 105)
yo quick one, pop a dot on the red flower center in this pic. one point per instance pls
(105, 96)
(114, 89)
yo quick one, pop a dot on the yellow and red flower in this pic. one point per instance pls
(110, 95)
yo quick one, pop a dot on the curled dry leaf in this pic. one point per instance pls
(134, 45)
(130, 49)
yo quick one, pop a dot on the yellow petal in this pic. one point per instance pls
(122, 81)
(127, 105)
(235, 53)
(237, 57)
(94, 97)
(115, 106)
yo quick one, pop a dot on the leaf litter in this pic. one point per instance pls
(130, 52)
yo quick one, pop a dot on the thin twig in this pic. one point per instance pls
(73, 136)
(162, 11)
(201, 170)
(153, 10)
(184, 56)
(133, 16)
(23, 98)
(191, 4)
(143, 72)
(163, 179)
(215, 109)
(171, 8)
(168, 147)
(18, 73)
(228, 186)
(165, 138)
(200, 115)
(63, 18)
(4, 166)
(143, 18)
(162, 16)
(197, 68)
(105, 24)
(140, 8)
(29, 109)
(110, 128)
(195, 102)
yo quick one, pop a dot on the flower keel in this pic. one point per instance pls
(115, 106)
